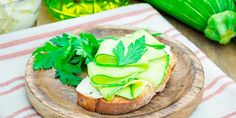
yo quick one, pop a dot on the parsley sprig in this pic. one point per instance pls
(67, 54)
(134, 53)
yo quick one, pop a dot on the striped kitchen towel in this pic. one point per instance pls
(15, 49)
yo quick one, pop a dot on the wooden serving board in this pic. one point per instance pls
(181, 96)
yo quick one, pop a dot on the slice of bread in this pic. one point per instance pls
(120, 105)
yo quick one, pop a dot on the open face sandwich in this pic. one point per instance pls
(117, 84)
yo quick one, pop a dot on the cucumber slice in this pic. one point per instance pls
(133, 89)
(126, 92)
(150, 40)
(105, 56)
(130, 80)
(153, 54)
(130, 91)
(109, 92)
(114, 72)
(106, 81)
(156, 71)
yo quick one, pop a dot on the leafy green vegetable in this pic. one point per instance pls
(45, 56)
(67, 54)
(88, 46)
(61, 41)
(134, 53)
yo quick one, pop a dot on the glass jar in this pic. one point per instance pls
(18, 14)
(66, 9)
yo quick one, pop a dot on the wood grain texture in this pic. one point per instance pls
(222, 55)
(181, 96)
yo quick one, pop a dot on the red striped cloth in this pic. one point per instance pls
(15, 49)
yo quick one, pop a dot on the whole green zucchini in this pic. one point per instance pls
(216, 18)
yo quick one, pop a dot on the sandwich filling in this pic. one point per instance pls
(120, 71)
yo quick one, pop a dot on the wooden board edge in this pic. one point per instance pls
(34, 102)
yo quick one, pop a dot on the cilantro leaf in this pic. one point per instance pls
(134, 53)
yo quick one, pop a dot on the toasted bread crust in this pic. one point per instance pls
(121, 105)
(87, 102)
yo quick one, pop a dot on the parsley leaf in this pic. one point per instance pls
(68, 54)
(61, 41)
(134, 53)
(73, 81)
(45, 56)
(88, 46)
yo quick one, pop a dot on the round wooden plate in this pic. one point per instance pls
(181, 96)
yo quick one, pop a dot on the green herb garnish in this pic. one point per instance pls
(157, 46)
(67, 54)
(156, 34)
(134, 53)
